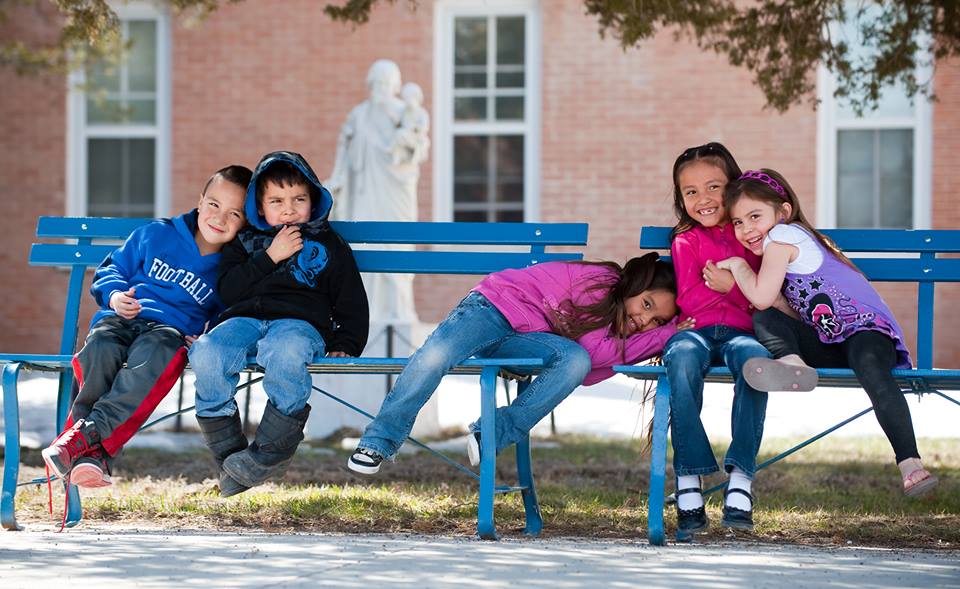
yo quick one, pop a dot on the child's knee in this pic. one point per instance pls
(205, 354)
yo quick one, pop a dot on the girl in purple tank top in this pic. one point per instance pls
(835, 319)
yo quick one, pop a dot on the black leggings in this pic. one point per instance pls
(871, 355)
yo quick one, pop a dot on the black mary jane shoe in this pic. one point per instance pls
(734, 517)
(690, 521)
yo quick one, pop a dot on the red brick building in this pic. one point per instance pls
(534, 116)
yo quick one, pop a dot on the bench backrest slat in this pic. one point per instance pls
(534, 238)
(851, 240)
(921, 266)
(527, 234)
(55, 254)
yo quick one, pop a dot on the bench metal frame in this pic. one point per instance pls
(918, 262)
(484, 253)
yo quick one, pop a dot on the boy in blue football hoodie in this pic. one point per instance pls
(156, 295)
(292, 290)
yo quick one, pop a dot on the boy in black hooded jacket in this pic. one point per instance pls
(291, 290)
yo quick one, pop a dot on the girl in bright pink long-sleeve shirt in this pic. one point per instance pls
(580, 318)
(723, 334)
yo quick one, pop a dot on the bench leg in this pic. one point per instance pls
(64, 400)
(525, 478)
(658, 463)
(11, 453)
(488, 452)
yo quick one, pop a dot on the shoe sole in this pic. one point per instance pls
(765, 374)
(473, 450)
(736, 525)
(362, 468)
(52, 460)
(89, 476)
(922, 488)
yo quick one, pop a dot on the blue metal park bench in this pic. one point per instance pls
(485, 250)
(906, 256)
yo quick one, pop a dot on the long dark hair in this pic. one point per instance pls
(712, 153)
(646, 272)
(757, 189)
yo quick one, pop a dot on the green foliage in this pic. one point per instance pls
(782, 42)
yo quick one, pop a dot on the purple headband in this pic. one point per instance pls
(766, 179)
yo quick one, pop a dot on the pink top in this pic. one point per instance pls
(691, 250)
(528, 298)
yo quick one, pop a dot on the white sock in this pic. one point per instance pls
(739, 480)
(688, 501)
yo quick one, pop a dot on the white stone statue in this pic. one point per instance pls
(381, 146)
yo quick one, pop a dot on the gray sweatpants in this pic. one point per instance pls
(126, 367)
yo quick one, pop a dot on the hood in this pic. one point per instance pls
(320, 209)
(186, 226)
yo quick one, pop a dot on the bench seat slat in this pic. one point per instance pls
(829, 377)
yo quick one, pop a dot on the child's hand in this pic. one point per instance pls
(338, 355)
(189, 339)
(688, 323)
(717, 277)
(125, 304)
(285, 244)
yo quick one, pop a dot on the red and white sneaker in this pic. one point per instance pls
(91, 470)
(73, 443)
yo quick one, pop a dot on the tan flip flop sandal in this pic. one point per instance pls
(766, 374)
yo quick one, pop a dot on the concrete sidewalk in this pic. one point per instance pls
(115, 557)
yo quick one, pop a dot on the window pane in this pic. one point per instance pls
(142, 57)
(510, 216)
(510, 108)
(470, 108)
(875, 179)
(470, 41)
(896, 178)
(104, 77)
(855, 179)
(470, 216)
(104, 181)
(510, 159)
(467, 78)
(510, 40)
(506, 78)
(141, 111)
(120, 177)
(470, 168)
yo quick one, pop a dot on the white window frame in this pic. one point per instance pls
(78, 132)
(444, 127)
(828, 126)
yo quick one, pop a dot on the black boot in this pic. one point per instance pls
(224, 436)
(272, 449)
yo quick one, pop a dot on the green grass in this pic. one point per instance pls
(835, 492)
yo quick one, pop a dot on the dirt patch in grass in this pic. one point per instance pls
(834, 493)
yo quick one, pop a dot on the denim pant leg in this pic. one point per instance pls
(749, 405)
(686, 358)
(472, 326)
(217, 359)
(565, 365)
(284, 352)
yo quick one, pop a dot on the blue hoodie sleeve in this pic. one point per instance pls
(115, 272)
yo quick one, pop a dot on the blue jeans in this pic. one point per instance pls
(477, 328)
(687, 357)
(283, 348)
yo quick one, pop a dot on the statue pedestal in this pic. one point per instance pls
(396, 339)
